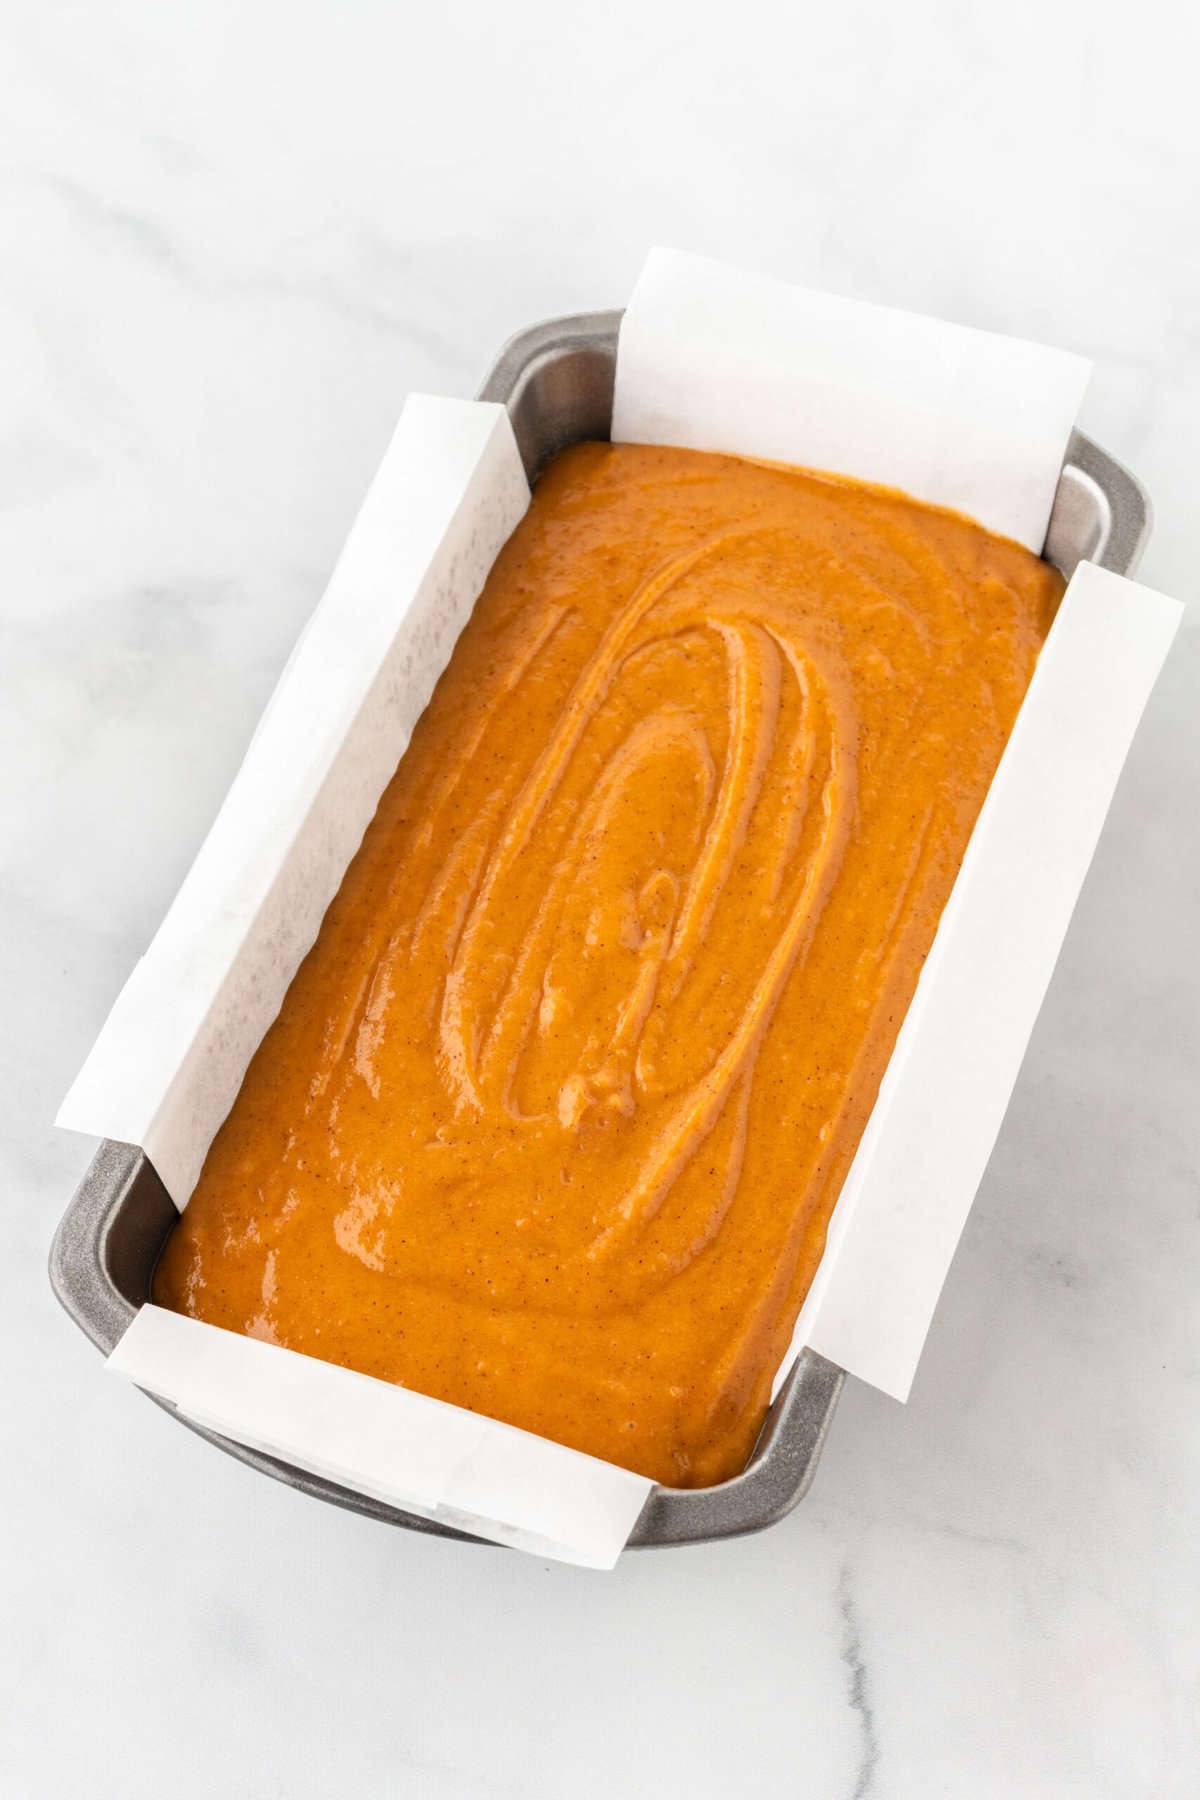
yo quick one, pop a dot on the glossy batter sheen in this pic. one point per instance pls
(556, 1110)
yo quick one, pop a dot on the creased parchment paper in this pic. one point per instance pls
(714, 359)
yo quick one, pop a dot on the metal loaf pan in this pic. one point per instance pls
(556, 380)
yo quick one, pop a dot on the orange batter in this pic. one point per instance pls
(556, 1110)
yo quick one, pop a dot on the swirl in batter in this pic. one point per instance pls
(555, 1112)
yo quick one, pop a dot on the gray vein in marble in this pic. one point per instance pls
(860, 1691)
(1068, 1576)
(142, 235)
(356, 309)
(137, 232)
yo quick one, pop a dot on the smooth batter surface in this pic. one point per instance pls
(556, 1110)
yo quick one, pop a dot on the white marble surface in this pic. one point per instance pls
(233, 236)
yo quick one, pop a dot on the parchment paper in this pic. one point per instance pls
(713, 359)
(439, 1461)
(903, 1206)
(170, 1059)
